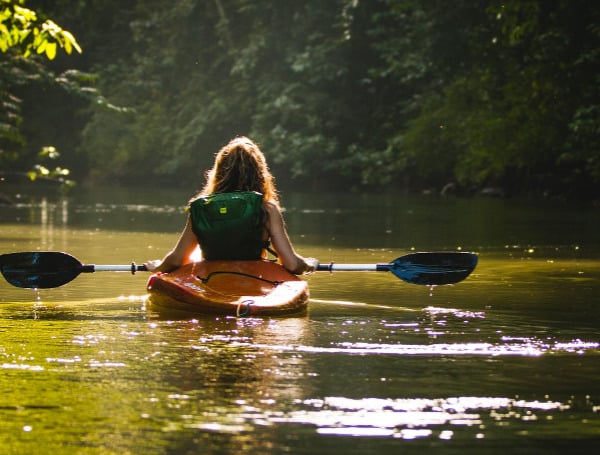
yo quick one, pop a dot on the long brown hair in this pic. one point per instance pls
(240, 166)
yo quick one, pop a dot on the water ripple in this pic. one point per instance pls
(524, 348)
(412, 418)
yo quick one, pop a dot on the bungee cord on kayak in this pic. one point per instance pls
(247, 275)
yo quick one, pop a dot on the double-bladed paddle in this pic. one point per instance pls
(51, 269)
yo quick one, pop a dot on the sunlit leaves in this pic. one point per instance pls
(57, 174)
(49, 152)
(21, 28)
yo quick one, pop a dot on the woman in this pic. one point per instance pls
(240, 166)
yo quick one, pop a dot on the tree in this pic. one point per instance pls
(24, 36)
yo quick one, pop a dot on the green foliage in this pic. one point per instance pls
(22, 35)
(20, 28)
(509, 117)
(58, 174)
(343, 93)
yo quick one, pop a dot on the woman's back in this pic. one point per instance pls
(229, 225)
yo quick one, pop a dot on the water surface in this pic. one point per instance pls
(506, 360)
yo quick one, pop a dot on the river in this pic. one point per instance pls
(506, 361)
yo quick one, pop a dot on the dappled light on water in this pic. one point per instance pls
(417, 418)
(407, 418)
(522, 348)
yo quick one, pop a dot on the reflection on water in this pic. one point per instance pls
(506, 359)
(524, 348)
(416, 418)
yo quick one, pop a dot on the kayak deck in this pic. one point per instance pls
(240, 288)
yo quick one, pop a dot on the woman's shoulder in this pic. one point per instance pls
(272, 209)
(271, 206)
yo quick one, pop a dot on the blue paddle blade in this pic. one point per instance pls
(39, 269)
(434, 269)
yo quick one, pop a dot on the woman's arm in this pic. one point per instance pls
(178, 256)
(280, 240)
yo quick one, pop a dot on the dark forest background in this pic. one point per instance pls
(459, 95)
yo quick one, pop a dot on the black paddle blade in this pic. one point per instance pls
(434, 269)
(39, 269)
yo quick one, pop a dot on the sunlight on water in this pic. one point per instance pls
(365, 305)
(20, 366)
(415, 418)
(405, 418)
(50, 211)
(524, 348)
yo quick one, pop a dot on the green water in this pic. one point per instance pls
(507, 360)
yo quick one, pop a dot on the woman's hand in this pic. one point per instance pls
(151, 266)
(311, 265)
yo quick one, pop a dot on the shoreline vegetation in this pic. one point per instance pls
(16, 186)
(455, 98)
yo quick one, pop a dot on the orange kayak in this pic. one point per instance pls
(240, 288)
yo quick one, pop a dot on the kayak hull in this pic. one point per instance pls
(239, 288)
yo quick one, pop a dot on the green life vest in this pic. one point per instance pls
(229, 225)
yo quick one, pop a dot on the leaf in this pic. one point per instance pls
(51, 51)
(41, 47)
(67, 46)
(42, 170)
(49, 152)
(70, 42)
(24, 14)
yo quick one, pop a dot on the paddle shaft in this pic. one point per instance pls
(90, 268)
(332, 267)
